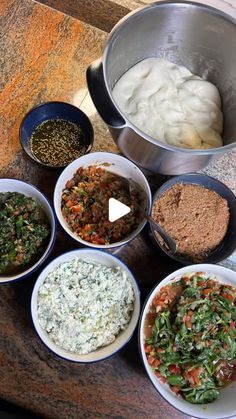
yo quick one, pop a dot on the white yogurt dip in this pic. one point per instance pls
(169, 103)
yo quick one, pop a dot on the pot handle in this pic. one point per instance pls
(100, 97)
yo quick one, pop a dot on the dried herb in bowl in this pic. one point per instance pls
(57, 142)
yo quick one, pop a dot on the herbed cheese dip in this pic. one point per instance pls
(84, 305)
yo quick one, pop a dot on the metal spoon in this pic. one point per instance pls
(133, 186)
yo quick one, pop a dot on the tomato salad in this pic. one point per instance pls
(84, 206)
(190, 333)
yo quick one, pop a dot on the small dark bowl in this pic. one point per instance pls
(228, 245)
(53, 110)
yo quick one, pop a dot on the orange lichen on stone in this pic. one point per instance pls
(4, 5)
(44, 70)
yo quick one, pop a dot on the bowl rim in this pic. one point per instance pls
(33, 268)
(180, 179)
(77, 238)
(204, 267)
(117, 29)
(38, 328)
(51, 103)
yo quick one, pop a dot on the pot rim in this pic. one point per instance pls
(128, 124)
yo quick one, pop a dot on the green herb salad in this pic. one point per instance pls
(24, 230)
(190, 336)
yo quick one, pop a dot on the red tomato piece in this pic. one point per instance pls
(174, 369)
(229, 297)
(150, 359)
(76, 208)
(147, 348)
(156, 363)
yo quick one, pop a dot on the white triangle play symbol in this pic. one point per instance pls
(116, 209)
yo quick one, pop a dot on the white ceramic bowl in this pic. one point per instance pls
(91, 255)
(224, 406)
(14, 185)
(118, 165)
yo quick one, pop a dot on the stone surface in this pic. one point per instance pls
(44, 57)
(102, 14)
(228, 6)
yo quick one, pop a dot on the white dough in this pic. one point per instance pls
(169, 103)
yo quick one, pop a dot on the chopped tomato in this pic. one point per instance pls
(201, 283)
(187, 321)
(206, 291)
(175, 389)
(158, 302)
(156, 363)
(161, 378)
(147, 348)
(90, 187)
(194, 374)
(97, 240)
(76, 208)
(174, 369)
(229, 297)
(69, 204)
(150, 359)
(69, 184)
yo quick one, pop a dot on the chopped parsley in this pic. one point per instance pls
(24, 229)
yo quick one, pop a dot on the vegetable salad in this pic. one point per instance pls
(23, 233)
(191, 336)
(84, 206)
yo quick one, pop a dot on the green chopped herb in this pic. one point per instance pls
(24, 230)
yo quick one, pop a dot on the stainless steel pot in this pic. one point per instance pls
(201, 38)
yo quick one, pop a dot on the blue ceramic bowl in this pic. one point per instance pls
(54, 110)
(228, 245)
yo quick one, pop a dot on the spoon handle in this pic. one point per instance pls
(133, 186)
(167, 239)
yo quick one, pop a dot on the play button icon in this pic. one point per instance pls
(116, 209)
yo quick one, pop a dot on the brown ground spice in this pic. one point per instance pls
(195, 217)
